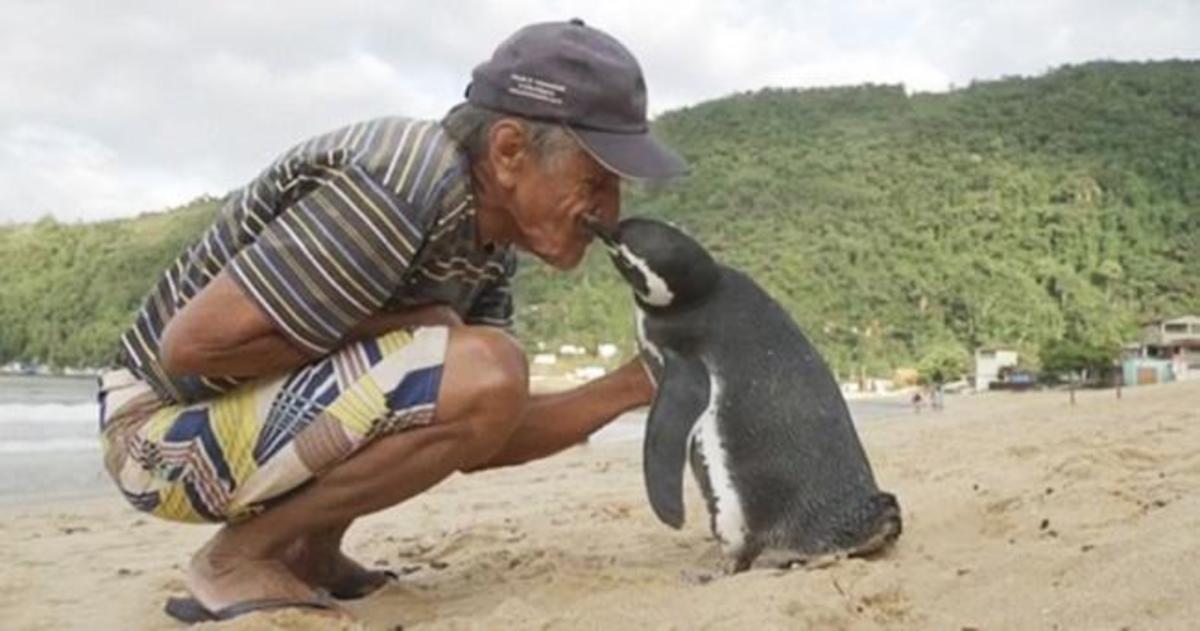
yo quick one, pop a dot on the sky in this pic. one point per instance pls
(109, 109)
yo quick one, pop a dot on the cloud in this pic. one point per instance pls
(52, 171)
(118, 107)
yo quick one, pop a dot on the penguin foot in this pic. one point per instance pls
(696, 577)
(811, 562)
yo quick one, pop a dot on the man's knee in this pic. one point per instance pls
(491, 360)
(485, 383)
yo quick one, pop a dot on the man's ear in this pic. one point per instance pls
(508, 150)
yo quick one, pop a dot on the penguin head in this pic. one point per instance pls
(667, 268)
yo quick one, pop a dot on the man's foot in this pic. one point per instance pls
(223, 580)
(325, 567)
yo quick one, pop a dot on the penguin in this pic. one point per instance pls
(746, 400)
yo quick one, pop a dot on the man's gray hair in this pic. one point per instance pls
(468, 124)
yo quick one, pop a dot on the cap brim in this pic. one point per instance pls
(634, 156)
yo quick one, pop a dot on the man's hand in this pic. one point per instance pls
(435, 315)
(636, 376)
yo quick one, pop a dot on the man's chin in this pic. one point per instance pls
(562, 261)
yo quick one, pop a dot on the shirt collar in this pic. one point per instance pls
(457, 204)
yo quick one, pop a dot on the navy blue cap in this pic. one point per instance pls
(583, 78)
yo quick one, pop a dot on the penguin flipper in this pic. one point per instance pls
(653, 366)
(683, 391)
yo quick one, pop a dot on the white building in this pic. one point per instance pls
(988, 363)
(569, 350)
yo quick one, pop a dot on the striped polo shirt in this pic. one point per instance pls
(376, 216)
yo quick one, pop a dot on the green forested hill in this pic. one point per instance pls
(1011, 213)
(67, 292)
(1008, 213)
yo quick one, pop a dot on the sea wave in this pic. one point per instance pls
(49, 413)
(52, 445)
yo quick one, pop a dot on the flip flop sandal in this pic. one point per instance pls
(355, 593)
(191, 611)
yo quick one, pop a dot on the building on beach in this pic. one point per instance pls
(988, 364)
(1169, 350)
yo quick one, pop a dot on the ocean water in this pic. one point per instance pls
(48, 438)
(47, 414)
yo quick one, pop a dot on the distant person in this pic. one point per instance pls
(937, 397)
(335, 342)
(917, 401)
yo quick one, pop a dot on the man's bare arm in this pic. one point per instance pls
(222, 332)
(553, 422)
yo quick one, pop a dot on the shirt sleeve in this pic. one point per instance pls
(331, 259)
(494, 304)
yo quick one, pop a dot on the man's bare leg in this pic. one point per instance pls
(318, 560)
(550, 423)
(482, 397)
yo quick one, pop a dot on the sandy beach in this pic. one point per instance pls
(1021, 512)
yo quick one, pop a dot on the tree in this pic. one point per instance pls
(1077, 360)
(942, 363)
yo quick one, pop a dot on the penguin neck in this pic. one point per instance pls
(680, 303)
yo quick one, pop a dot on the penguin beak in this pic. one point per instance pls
(603, 232)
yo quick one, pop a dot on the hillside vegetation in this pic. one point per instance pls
(1008, 213)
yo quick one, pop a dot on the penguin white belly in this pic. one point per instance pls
(729, 522)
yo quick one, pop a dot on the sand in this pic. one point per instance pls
(1021, 512)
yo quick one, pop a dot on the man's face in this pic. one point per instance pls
(550, 199)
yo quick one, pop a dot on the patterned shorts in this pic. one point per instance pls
(226, 458)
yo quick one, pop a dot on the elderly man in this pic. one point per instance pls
(334, 344)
